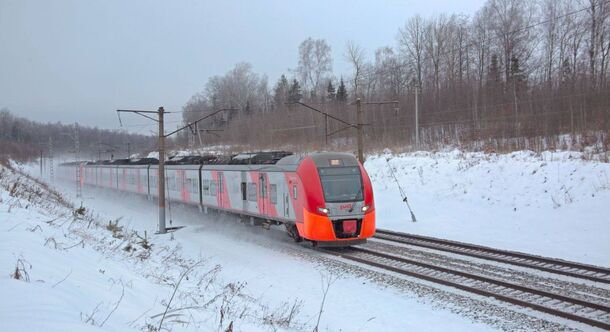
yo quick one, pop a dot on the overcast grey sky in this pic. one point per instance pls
(80, 60)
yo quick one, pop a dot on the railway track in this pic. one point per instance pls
(557, 266)
(583, 311)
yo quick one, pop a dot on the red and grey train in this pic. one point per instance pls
(326, 198)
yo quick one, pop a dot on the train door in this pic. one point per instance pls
(286, 205)
(244, 191)
(262, 183)
(220, 189)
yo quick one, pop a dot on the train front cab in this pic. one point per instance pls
(338, 206)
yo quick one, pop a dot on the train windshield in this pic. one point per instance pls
(341, 184)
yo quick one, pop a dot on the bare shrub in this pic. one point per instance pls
(34, 229)
(327, 281)
(129, 248)
(117, 231)
(80, 211)
(169, 303)
(232, 290)
(13, 190)
(91, 317)
(144, 241)
(21, 270)
(50, 241)
(284, 315)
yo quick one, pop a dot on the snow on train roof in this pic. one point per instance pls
(245, 158)
(248, 158)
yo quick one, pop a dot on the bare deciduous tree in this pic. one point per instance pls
(515, 71)
(411, 41)
(315, 62)
(355, 55)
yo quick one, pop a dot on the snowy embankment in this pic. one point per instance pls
(552, 204)
(65, 270)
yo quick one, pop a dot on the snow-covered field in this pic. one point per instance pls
(552, 204)
(83, 274)
(76, 274)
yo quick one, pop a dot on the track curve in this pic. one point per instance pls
(553, 265)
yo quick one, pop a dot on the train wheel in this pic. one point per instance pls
(293, 232)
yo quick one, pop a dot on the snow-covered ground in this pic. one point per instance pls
(77, 274)
(553, 204)
(79, 271)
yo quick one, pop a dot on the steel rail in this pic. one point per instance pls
(503, 256)
(478, 291)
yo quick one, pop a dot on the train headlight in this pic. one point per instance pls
(365, 208)
(323, 210)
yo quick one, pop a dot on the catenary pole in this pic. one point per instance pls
(162, 229)
(358, 125)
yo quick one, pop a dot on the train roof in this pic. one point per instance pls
(199, 160)
(247, 158)
(71, 163)
(137, 161)
(280, 158)
(259, 158)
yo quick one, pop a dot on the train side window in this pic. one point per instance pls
(294, 191)
(213, 188)
(252, 191)
(244, 195)
(273, 193)
(190, 184)
(205, 185)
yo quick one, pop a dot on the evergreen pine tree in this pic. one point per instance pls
(294, 93)
(515, 70)
(331, 94)
(516, 75)
(280, 92)
(342, 91)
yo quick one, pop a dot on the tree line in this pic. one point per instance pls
(517, 73)
(22, 139)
